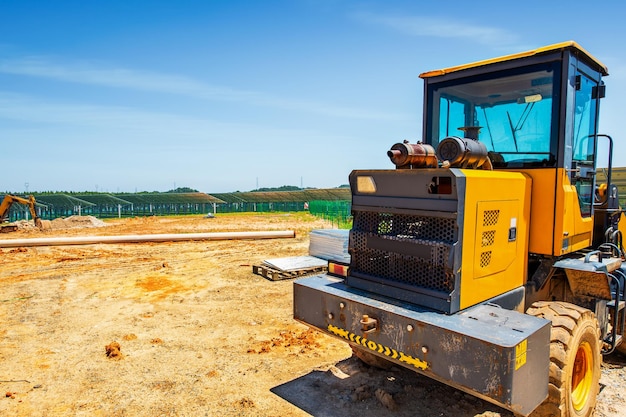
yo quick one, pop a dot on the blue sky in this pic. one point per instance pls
(230, 95)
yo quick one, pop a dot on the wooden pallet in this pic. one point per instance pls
(277, 274)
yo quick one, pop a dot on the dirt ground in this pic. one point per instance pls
(186, 329)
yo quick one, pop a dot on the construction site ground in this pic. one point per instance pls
(186, 329)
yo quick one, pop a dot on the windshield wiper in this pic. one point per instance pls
(524, 116)
(493, 146)
(520, 122)
(512, 130)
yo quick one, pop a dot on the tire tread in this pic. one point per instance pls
(568, 321)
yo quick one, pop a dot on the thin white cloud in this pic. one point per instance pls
(90, 74)
(123, 122)
(441, 28)
(35, 110)
(85, 73)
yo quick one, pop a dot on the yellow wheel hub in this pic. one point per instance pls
(582, 376)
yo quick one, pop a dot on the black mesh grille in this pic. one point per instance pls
(485, 259)
(488, 238)
(491, 217)
(418, 252)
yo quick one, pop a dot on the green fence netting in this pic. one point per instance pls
(337, 212)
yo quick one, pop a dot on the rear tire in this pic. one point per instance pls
(575, 359)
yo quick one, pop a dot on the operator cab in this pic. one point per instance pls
(536, 112)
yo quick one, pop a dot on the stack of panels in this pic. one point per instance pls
(294, 263)
(330, 244)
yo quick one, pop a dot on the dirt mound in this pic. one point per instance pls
(72, 222)
(21, 225)
(76, 222)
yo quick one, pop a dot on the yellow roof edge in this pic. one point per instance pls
(549, 48)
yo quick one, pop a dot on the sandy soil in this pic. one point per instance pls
(186, 329)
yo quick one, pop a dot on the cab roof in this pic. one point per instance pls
(539, 51)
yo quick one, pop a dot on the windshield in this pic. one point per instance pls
(514, 112)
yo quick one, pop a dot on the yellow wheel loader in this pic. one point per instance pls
(489, 258)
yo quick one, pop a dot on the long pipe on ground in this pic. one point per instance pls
(174, 237)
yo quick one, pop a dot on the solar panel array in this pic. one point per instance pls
(53, 205)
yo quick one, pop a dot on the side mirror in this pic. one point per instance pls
(598, 91)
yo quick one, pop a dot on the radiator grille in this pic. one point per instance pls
(415, 250)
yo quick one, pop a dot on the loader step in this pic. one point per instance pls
(276, 274)
(609, 345)
(621, 305)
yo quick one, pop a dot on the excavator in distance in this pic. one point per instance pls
(490, 258)
(5, 206)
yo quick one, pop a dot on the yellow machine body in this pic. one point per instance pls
(557, 226)
(496, 207)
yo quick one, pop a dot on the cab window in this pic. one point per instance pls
(514, 111)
